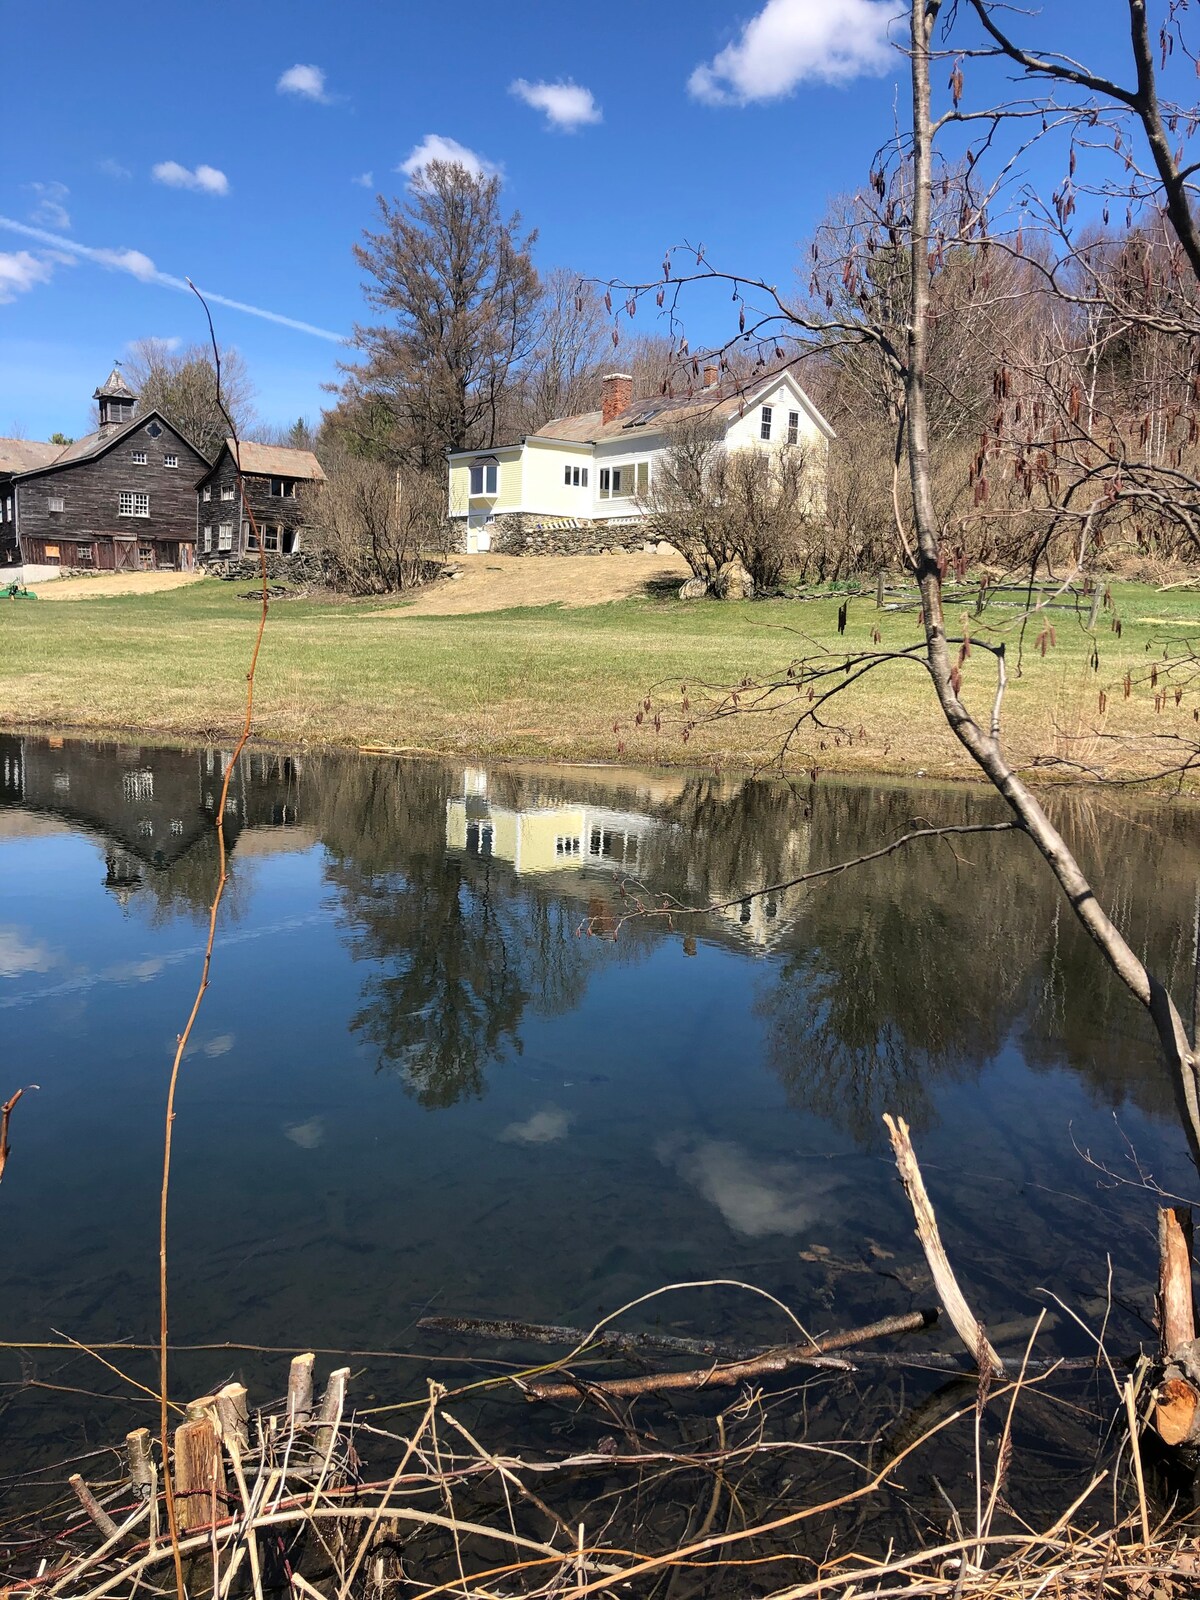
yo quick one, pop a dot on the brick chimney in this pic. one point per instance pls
(711, 374)
(616, 395)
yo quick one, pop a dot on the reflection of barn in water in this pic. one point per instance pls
(596, 845)
(150, 807)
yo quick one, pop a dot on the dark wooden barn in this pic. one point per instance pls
(121, 499)
(274, 478)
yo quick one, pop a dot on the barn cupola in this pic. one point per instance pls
(116, 401)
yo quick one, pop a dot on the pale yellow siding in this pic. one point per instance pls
(508, 495)
(542, 481)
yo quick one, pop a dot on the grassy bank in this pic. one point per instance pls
(552, 683)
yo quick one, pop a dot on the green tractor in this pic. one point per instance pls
(14, 591)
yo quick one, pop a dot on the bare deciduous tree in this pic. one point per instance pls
(454, 279)
(182, 384)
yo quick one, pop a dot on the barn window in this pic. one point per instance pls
(138, 457)
(84, 555)
(170, 461)
(225, 536)
(132, 504)
(55, 503)
(793, 433)
(52, 553)
(285, 487)
(764, 426)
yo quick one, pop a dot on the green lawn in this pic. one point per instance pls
(552, 683)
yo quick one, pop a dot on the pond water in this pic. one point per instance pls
(422, 1081)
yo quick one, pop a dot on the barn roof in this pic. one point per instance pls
(23, 455)
(276, 460)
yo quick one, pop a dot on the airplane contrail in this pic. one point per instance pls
(140, 266)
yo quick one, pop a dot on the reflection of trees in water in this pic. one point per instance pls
(922, 966)
(465, 949)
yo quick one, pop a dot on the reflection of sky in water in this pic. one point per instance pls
(415, 1083)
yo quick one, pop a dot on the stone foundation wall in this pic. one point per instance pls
(530, 536)
(304, 568)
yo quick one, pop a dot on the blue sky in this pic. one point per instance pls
(242, 144)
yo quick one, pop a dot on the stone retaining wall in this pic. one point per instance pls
(530, 536)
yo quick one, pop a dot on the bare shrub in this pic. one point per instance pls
(378, 529)
(717, 505)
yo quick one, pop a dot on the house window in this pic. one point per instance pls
(208, 539)
(84, 555)
(225, 536)
(568, 846)
(575, 477)
(485, 478)
(8, 516)
(793, 433)
(285, 487)
(605, 482)
(764, 427)
(131, 504)
(251, 537)
(642, 482)
(226, 491)
(206, 493)
(138, 457)
(271, 538)
(170, 461)
(55, 503)
(290, 541)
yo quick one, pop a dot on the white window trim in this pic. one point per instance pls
(206, 492)
(766, 420)
(793, 427)
(170, 461)
(225, 536)
(228, 492)
(138, 457)
(55, 504)
(489, 480)
(139, 503)
(208, 536)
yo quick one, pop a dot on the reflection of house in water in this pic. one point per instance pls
(150, 807)
(589, 840)
(543, 837)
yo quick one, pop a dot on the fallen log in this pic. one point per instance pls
(778, 1360)
(505, 1330)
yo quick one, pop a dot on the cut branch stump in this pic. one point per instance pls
(199, 1473)
(1177, 1400)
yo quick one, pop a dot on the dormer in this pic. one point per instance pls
(116, 401)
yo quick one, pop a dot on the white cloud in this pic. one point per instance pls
(50, 209)
(113, 169)
(208, 180)
(307, 82)
(140, 266)
(20, 272)
(17, 954)
(796, 41)
(307, 1135)
(437, 147)
(567, 105)
(755, 1197)
(544, 1127)
(365, 180)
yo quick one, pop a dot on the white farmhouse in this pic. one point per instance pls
(578, 482)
